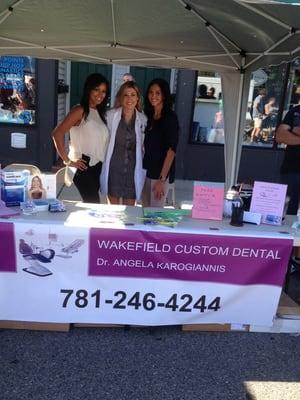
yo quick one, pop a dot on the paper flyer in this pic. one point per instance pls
(268, 199)
(42, 186)
(208, 200)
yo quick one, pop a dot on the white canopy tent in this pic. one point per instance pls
(232, 37)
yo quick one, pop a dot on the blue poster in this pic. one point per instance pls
(17, 90)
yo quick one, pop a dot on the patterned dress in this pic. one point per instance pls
(122, 163)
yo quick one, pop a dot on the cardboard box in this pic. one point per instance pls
(35, 326)
(97, 326)
(216, 327)
(288, 308)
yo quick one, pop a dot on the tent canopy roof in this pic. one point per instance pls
(220, 35)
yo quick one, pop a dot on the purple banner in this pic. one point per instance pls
(207, 258)
(7, 248)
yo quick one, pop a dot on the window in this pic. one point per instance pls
(208, 123)
(264, 101)
(17, 90)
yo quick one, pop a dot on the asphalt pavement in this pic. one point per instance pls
(161, 363)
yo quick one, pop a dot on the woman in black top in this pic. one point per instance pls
(161, 138)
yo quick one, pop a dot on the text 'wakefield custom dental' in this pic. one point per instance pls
(149, 247)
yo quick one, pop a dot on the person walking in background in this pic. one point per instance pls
(258, 114)
(128, 77)
(202, 92)
(271, 107)
(89, 137)
(161, 138)
(211, 93)
(288, 133)
(123, 177)
(270, 120)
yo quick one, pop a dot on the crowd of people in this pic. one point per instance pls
(264, 114)
(127, 153)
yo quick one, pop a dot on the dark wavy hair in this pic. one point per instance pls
(91, 82)
(167, 98)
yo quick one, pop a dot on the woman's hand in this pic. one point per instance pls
(158, 189)
(79, 164)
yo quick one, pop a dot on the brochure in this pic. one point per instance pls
(208, 200)
(42, 186)
(268, 199)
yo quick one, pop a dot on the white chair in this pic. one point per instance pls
(64, 184)
(33, 170)
(170, 199)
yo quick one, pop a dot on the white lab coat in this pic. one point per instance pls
(113, 118)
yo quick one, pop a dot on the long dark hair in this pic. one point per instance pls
(167, 98)
(91, 82)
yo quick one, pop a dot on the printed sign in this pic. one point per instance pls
(42, 186)
(122, 276)
(208, 200)
(268, 199)
(188, 257)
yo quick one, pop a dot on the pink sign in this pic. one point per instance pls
(190, 257)
(208, 200)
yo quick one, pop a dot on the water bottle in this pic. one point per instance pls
(232, 198)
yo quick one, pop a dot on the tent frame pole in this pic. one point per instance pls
(263, 14)
(6, 13)
(234, 170)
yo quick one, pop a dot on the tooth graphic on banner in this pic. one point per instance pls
(71, 248)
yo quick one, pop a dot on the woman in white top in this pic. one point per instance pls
(89, 137)
(123, 176)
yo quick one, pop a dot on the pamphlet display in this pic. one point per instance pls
(268, 199)
(42, 186)
(19, 188)
(208, 200)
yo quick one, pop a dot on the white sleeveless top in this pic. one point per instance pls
(90, 137)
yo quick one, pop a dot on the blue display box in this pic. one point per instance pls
(13, 187)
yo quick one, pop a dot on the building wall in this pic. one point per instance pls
(79, 72)
(143, 76)
(260, 164)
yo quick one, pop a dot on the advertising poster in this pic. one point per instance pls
(17, 90)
